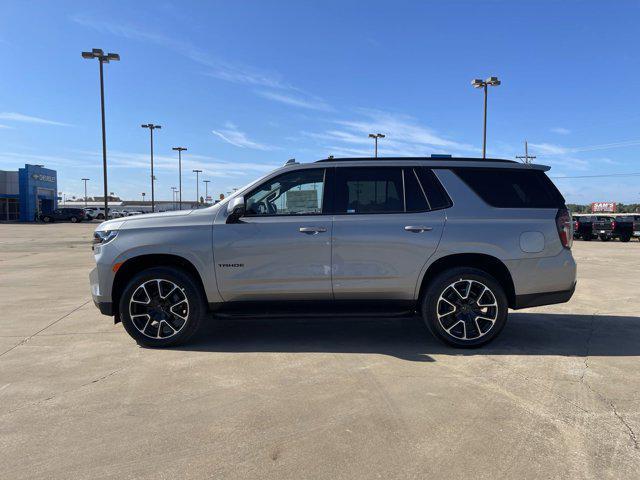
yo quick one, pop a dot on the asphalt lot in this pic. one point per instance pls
(556, 396)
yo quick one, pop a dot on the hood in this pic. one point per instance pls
(116, 223)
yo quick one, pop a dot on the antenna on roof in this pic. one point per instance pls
(291, 161)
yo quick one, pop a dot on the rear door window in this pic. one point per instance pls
(369, 190)
(512, 188)
(413, 192)
(436, 194)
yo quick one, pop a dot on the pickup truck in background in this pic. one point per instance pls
(603, 227)
(623, 227)
(583, 227)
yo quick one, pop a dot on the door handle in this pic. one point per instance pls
(312, 230)
(418, 229)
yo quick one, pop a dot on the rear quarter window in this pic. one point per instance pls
(512, 188)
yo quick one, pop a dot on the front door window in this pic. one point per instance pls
(294, 193)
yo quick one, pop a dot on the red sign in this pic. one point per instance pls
(603, 207)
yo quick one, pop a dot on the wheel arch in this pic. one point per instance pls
(488, 263)
(139, 263)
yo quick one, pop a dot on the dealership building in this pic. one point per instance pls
(27, 192)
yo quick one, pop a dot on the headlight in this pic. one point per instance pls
(100, 237)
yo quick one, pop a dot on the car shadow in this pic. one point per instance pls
(408, 338)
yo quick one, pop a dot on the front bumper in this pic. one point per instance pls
(106, 308)
(101, 301)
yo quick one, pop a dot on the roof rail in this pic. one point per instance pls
(431, 159)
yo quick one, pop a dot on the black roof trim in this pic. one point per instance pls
(430, 159)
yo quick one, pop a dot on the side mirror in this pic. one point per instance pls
(235, 210)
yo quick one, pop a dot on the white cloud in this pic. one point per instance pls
(235, 137)
(405, 136)
(5, 126)
(234, 72)
(295, 101)
(549, 149)
(20, 117)
(561, 131)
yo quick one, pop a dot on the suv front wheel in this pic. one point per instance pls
(465, 307)
(162, 306)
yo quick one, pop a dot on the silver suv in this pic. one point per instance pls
(458, 240)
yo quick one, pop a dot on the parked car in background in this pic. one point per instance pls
(602, 227)
(361, 236)
(90, 213)
(624, 227)
(636, 229)
(583, 227)
(73, 215)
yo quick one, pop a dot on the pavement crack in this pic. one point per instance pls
(588, 350)
(26, 339)
(632, 434)
(64, 392)
(99, 379)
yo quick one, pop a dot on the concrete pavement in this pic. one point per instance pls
(556, 396)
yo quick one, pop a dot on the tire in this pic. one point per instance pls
(587, 238)
(183, 299)
(74, 219)
(100, 216)
(46, 219)
(605, 238)
(462, 330)
(625, 238)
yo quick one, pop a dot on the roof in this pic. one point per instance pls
(436, 158)
(435, 162)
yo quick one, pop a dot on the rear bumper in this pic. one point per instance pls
(544, 298)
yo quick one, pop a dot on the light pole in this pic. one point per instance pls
(180, 150)
(197, 172)
(375, 137)
(102, 59)
(85, 180)
(174, 189)
(151, 128)
(477, 83)
(143, 194)
(206, 189)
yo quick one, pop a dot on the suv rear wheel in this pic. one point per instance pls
(162, 306)
(465, 307)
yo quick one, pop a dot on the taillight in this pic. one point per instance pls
(564, 223)
(613, 225)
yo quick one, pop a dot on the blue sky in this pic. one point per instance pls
(247, 85)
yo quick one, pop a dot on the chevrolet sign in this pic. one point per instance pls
(43, 178)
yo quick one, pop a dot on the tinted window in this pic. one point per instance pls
(369, 190)
(294, 193)
(511, 188)
(414, 196)
(434, 190)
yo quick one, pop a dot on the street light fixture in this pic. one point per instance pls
(206, 189)
(102, 59)
(477, 83)
(143, 194)
(151, 128)
(375, 137)
(85, 180)
(197, 172)
(180, 150)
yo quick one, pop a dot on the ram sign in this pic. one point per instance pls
(603, 207)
